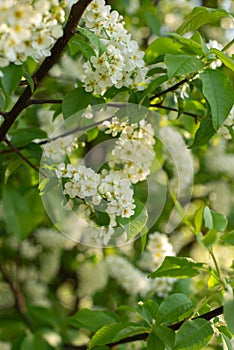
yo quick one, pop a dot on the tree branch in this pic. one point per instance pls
(18, 295)
(16, 150)
(33, 101)
(76, 12)
(170, 89)
(207, 316)
(159, 105)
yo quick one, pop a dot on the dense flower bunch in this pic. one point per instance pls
(157, 248)
(110, 190)
(29, 29)
(132, 279)
(121, 64)
(134, 148)
(57, 149)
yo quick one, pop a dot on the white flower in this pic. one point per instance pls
(122, 63)
(28, 29)
(129, 277)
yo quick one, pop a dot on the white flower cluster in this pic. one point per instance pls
(218, 161)
(29, 29)
(134, 148)
(110, 191)
(122, 63)
(89, 284)
(133, 280)
(95, 189)
(229, 122)
(157, 249)
(127, 275)
(52, 239)
(56, 150)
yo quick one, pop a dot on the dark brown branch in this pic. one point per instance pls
(33, 101)
(158, 105)
(16, 150)
(73, 131)
(18, 295)
(4, 114)
(170, 89)
(77, 11)
(207, 316)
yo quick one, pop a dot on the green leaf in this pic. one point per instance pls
(22, 212)
(136, 222)
(193, 335)
(210, 238)
(227, 61)
(189, 45)
(153, 342)
(74, 101)
(42, 316)
(114, 332)
(92, 319)
(179, 267)
(148, 310)
(92, 134)
(76, 44)
(227, 344)
(34, 342)
(12, 76)
(218, 92)
(29, 80)
(204, 133)
(198, 219)
(214, 220)
(24, 136)
(166, 335)
(182, 64)
(229, 315)
(11, 328)
(228, 238)
(199, 17)
(161, 46)
(154, 85)
(94, 40)
(173, 307)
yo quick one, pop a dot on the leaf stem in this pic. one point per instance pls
(160, 106)
(16, 150)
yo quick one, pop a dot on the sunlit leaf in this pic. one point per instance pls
(199, 17)
(218, 92)
(179, 267)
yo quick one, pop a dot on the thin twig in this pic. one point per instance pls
(170, 89)
(76, 12)
(34, 101)
(16, 150)
(158, 105)
(73, 131)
